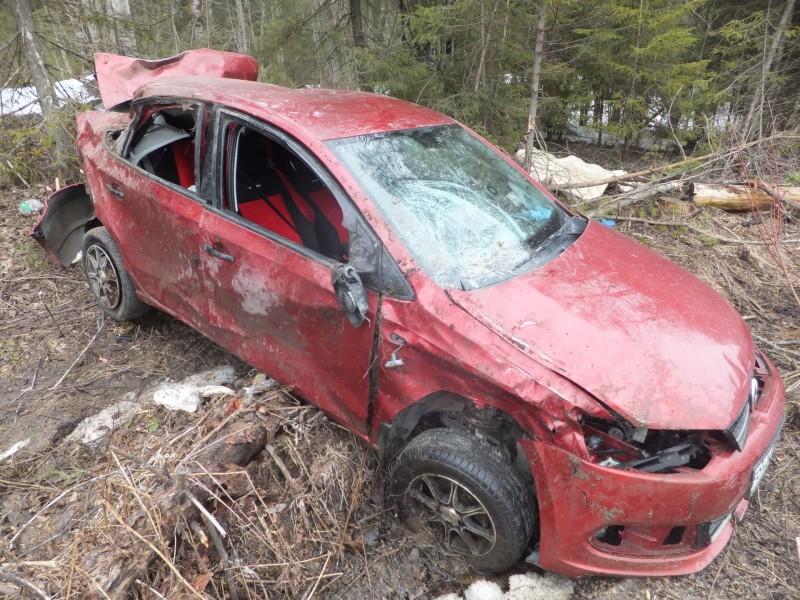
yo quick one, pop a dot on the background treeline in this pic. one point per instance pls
(667, 75)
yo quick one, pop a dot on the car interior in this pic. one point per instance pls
(274, 189)
(271, 187)
(164, 146)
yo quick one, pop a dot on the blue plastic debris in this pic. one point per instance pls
(606, 222)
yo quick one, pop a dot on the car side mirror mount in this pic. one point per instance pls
(351, 293)
(363, 251)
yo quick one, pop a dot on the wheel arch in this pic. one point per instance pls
(452, 410)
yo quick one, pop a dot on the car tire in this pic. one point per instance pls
(463, 491)
(108, 280)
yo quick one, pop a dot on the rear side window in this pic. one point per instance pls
(164, 143)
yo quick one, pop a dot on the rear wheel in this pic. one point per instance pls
(108, 280)
(460, 490)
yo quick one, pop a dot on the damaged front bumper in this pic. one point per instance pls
(604, 520)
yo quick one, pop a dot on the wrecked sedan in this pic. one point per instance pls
(538, 385)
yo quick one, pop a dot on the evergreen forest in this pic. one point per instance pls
(667, 76)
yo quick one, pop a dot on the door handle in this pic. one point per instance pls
(115, 190)
(217, 254)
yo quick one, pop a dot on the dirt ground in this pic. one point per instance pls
(308, 518)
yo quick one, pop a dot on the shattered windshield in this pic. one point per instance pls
(467, 216)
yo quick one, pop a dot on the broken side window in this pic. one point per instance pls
(164, 144)
(270, 186)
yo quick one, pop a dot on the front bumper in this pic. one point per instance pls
(606, 521)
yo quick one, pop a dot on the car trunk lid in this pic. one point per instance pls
(118, 77)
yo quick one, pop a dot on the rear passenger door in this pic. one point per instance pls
(150, 190)
(277, 230)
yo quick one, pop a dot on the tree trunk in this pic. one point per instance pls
(757, 104)
(120, 13)
(34, 57)
(739, 197)
(197, 26)
(486, 39)
(535, 77)
(242, 38)
(357, 23)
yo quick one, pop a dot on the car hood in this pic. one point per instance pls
(118, 77)
(636, 331)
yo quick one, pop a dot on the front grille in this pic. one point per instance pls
(736, 432)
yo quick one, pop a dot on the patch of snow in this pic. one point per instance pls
(24, 100)
(14, 448)
(534, 587)
(221, 375)
(483, 590)
(93, 429)
(188, 394)
(529, 586)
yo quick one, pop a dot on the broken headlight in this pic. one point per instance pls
(623, 446)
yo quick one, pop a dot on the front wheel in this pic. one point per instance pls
(108, 280)
(464, 493)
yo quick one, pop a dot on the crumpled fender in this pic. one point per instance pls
(61, 228)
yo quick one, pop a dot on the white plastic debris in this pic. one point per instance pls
(14, 448)
(550, 170)
(188, 395)
(93, 429)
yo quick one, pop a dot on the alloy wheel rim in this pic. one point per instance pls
(453, 514)
(102, 276)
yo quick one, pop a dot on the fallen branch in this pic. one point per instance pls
(719, 155)
(24, 584)
(75, 362)
(639, 195)
(721, 239)
(155, 549)
(117, 563)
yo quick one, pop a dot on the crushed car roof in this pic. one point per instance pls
(322, 113)
(228, 79)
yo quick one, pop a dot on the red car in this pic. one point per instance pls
(538, 385)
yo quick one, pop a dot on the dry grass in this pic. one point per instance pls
(308, 518)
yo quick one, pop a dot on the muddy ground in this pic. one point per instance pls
(308, 519)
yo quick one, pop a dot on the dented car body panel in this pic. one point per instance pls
(627, 394)
(119, 77)
(590, 317)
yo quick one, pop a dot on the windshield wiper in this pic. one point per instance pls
(572, 227)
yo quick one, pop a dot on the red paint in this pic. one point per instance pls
(607, 320)
(577, 498)
(118, 77)
(635, 331)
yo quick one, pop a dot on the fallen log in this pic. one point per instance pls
(740, 196)
(639, 195)
(135, 540)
